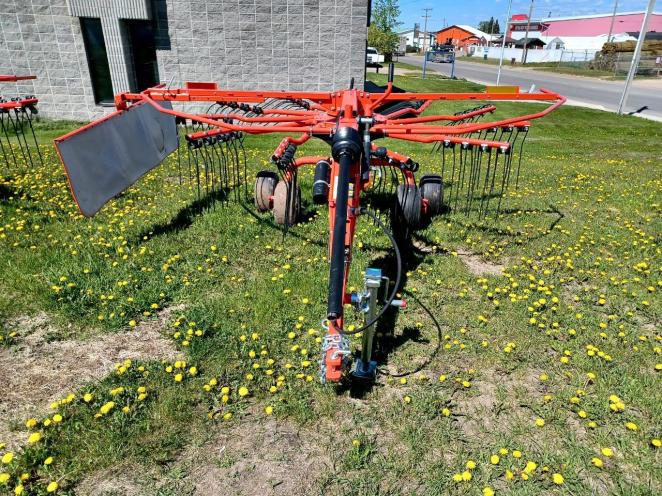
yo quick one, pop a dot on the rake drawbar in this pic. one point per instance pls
(476, 154)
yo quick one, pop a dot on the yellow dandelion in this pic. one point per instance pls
(34, 438)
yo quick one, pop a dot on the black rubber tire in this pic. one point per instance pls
(265, 185)
(431, 187)
(408, 206)
(280, 204)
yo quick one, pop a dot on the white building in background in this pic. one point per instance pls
(415, 37)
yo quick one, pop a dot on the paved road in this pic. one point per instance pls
(579, 90)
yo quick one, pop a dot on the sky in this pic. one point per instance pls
(448, 12)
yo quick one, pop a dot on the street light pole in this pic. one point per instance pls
(503, 44)
(637, 56)
(613, 19)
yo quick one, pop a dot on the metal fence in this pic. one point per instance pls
(616, 64)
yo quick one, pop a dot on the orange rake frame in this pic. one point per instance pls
(349, 121)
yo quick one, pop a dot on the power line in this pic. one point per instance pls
(425, 37)
(613, 19)
(503, 43)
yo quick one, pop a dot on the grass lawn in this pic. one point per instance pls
(544, 380)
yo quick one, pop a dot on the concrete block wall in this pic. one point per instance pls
(39, 37)
(272, 44)
(241, 44)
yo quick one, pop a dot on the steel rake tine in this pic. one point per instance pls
(2, 146)
(234, 165)
(474, 169)
(197, 171)
(474, 177)
(288, 198)
(6, 133)
(443, 169)
(519, 158)
(504, 179)
(453, 178)
(20, 145)
(213, 157)
(240, 153)
(237, 172)
(20, 132)
(220, 151)
(230, 160)
(179, 153)
(204, 153)
(460, 175)
(482, 212)
(34, 136)
(243, 152)
(231, 166)
(223, 170)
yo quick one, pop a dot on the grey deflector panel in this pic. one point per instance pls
(108, 157)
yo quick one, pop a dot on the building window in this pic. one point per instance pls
(140, 47)
(97, 60)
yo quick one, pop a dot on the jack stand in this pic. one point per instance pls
(366, 368)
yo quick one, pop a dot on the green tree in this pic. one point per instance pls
(490, 27)
(381, 33)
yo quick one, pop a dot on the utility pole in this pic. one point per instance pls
(613, 19)
(425, 38)
(637, 56)
(526, 36)
(503, 45)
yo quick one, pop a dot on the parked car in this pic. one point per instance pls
(372, 56)
(441, 54)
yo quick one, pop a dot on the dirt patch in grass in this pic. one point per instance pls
(494, 404)
(478, 266)
(267, 457)
(37, 372)
(113, 482)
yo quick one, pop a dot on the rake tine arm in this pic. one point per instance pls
(434, 118)
(307, 119)
(388, 129)
(503, 145)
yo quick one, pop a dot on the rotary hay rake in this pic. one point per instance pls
(16, 115)
(106, 157)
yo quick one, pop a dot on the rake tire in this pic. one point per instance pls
(407, 209)
(431, 188)
(265, 185)
(280, 204)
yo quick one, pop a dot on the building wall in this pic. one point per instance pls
(600, 25)
(41, 38)
(241, 44)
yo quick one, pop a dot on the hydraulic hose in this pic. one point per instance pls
(436, 350)
(398, 278)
